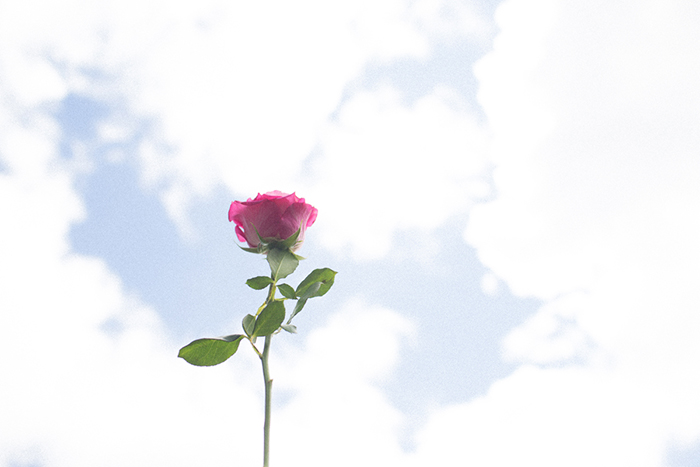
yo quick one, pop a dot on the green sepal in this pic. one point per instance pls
(257, 250)
(259, 282)
(248, 325)
(289, 242)
(287, 290)
(282, 263)
(290, 328)
(260, 239)
(271, 243)
(210, 351)
(286, 244)
(269, 319)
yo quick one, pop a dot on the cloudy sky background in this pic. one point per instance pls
(509, 191)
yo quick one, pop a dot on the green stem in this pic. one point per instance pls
(268, 385)
(268, 401)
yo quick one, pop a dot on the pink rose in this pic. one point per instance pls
(275, 215)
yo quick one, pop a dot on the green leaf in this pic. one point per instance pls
(270, 319)
(308, 293)
(297, 308)
(210, 351)
(290, 328)
(287, 290)
(317, 283)
(324, 277)
(311, 291)
(249, 324)
(282, 263)
(259, 282)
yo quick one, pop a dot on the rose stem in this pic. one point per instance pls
(268, 405)
(268, 385)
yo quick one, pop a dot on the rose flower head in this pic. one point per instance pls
(272, 219)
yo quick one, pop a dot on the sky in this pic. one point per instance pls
(508, 191)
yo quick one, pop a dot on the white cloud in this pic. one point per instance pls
(593, 112)
(337, 413)
(259, 87)
(554, 417)
(489, 284)
(388, 165)
(73, 394)
(552, 335)
(241, 99)
(236, 93)
(451, 20)
(240, 95)
(91, 378)
(612, 158)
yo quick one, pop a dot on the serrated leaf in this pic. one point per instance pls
(282, 263)
(290, 328)
(270, 319)
(248, 324)
(324, 277)
(287, 290)
(210, 351)
(259, 282)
